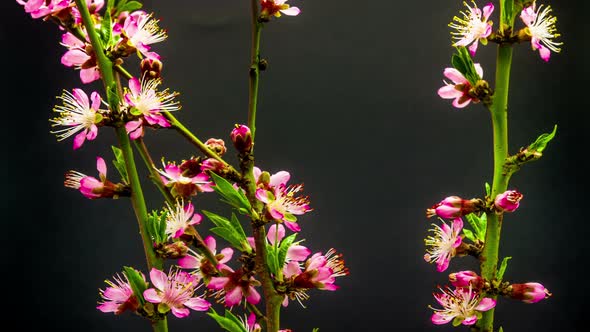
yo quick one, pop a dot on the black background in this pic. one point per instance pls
(349, 106)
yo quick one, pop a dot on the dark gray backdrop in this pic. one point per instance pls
(349, 107)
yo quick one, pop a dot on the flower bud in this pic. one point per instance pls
(264, 179)
(241, 136)
(173, 250)
(151, 68)
(454, 207)
(507, 201)
(212, 164)
(531, 292)
(465, 278)
(217, 145)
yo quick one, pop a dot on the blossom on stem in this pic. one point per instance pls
(459, 90)
(146, 103)
(201, 264)
(275, 8)
(462, 305)
(541, 29)
(442, 245)
(118, 297)
(79, 116)
(507, 201)
(282, 205)
(80, 56)
(139, 31)
(234, 285)
(473, 27)
(296, 252)
(241, 137)
(179, 217)
(454, 207)
(182, 185)
(93, 188)
(175, 292)
(530, 292)
(465, 279)
(42, 8)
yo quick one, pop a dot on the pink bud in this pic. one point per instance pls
(508, 201)
(213, 165)
(465, 278)
(531, 292)
(241, 136)
(217, 145)
(454, 207)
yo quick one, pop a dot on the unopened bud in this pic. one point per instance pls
(151, 68)
(531, 292)
(264, 179)
(212, 164)
(508, 201)
(454, 207)
(172, 250)
(217, 145)
(464, 279)
(241, 136)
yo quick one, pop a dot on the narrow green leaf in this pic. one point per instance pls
(271, 259)
(501, 329)
(539, 145)
(483, 224)
(119, 163)
(234, 318)
(507, 12)
(157, 226)
(229, 235)
(502, 269)
(137, 282)
(227, 323)
(474, 221)
(218, 220)
(469, 234)
(130, 6)
(106, 28)
(237, 226)
(488, 189)
(283, 248)
(231, 196)
(464, 64)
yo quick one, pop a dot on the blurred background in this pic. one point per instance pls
(349, 107)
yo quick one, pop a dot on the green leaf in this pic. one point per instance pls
(119, 163)
(229, 235)
(271, 259)
(229, 323)
(539, 145)
(129, 6)
(283, 248)
(231, 196)
(501, 329)
(483, 224)
(106, 29)
(469, 235)
(502, 269)
(230, 230)
(157, 226)
(137, 282)
(464, 64)
(237, 226)
(478, 224)
(488, 189)
(507, 13)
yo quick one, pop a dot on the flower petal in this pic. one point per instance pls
(151, 295)
(198, 304)
(159, 279)
(455, 76)
(180, 312)
(486, 304)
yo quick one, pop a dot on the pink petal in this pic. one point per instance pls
(487, 10)
(196, 219)
(291, 11)
(256, 171)
(116, 294)
(262, 195)
(298, 253)
(198, 304)
(461, 102)
(276, 214)
(74, 58)
(159, 279)
(251, 241)
(455, 76)
(279, 178)
(545, 53)
(135, 86)
(92, 132)
(486, 304)
(457, 225)
(442, 263)
(180, 312)
(217, 282)
(101, 166)
(71, 41)
(274, 235)
(253, 296)
(285, 302)
(293, 226)
(151, 295)
(291, 269)
(233, 297)
(79, 139)
(210, 243)
(108, 307)
(449, 92)
(189, 262)
(227, 255)
(95, 97)
(89, 75)
(81, 97)
(478, 69)
(439, 319)
(469, 320)
(133, 126)
(473, 47)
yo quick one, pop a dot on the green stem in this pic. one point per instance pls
(499, 113)
(254, 68)
(106, 69)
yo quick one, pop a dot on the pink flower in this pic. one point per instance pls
(94, 6)
(270, 8)
(275, 180)
(320, 271)
(118, 297)
(93, 188)
(443, 243)
(473, 26)
(184, 186)
(541, 29)
(461, 304)
(42, 8)
(454, 207)
(250, 323)
(179, 218)
(508, 201)
(145, 102)
(296, 252)
(465, 279)
(78, 116)
(201, 264)
(241, 137)
(141, 30)
(235, 285)
(531, 292)
(77, 56)
(175, 291)
(282, 205)
(459, 90)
